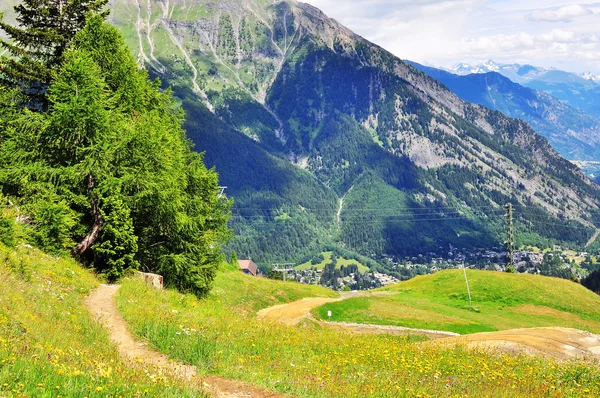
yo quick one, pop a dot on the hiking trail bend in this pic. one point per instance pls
(102, 305)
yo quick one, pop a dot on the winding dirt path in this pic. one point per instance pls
(293, 313)
(553, 342)
(101, 304)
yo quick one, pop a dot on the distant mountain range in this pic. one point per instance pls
(572, 132)
(579, 91)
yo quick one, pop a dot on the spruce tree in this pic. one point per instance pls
(37, 44)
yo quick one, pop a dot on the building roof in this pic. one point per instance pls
(248, 265)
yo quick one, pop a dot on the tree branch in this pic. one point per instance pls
(95, 231)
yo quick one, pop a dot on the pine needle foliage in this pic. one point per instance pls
(110, 157)
(37, 44)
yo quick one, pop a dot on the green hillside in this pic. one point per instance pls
(501, 301)
(221, 335)
(49, 344)
(327, 259)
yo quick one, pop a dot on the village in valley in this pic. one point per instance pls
(342, 274)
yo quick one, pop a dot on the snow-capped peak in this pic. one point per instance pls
(490, 65)
(591, 76)
(465, 69)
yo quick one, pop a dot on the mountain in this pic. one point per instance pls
(573, 133)
(591, 76)
(579, 91)
(325, 139)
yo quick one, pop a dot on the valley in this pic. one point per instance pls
(245, 198)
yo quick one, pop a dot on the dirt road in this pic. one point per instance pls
(593, 238)
(101, 303)
(293, 313)
(553, 342)
(558, 343)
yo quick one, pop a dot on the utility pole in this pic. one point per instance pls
(284, 270)
(467, 282)
(510, 237)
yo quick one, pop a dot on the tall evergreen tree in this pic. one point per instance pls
(111, 158)
(37, 44)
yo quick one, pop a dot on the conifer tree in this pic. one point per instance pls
(37, 44)
(234, 260)
(111, 159)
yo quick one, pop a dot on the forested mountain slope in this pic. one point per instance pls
(572, 132)
(297, 112)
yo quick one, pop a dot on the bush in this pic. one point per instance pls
(7, 225)
(53, 225)
(7, 231)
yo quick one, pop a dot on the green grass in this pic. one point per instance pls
(221, 335)
(234, 289)
(327, 255)
(504, 301)
(49, 344)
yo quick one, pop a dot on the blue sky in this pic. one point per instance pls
(546, 33)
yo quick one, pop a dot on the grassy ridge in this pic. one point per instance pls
(221, 335)
(504, 301)
(49, 344)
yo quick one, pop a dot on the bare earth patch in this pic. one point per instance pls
(552, 342)
(101, 304)
(293, 313)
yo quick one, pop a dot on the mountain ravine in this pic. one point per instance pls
(294, 109)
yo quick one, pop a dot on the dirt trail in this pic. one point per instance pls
(293, 313)
(553, 342)
(101, 303)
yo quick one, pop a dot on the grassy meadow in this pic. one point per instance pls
(221, 335)
(49, 344)
(501, 301)
(327, 259)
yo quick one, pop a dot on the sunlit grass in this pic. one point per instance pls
(49, 344)
(327, 259)
(503, 301)
(221, 335)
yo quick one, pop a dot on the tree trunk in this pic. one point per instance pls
(95, 231)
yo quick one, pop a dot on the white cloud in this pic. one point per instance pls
(445, 32)
(562, 14)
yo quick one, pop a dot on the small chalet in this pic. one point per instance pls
(248, 267)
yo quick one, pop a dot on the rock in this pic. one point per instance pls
(153, 280)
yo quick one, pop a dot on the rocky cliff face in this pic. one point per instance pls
(572, 132)
(305, 90)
